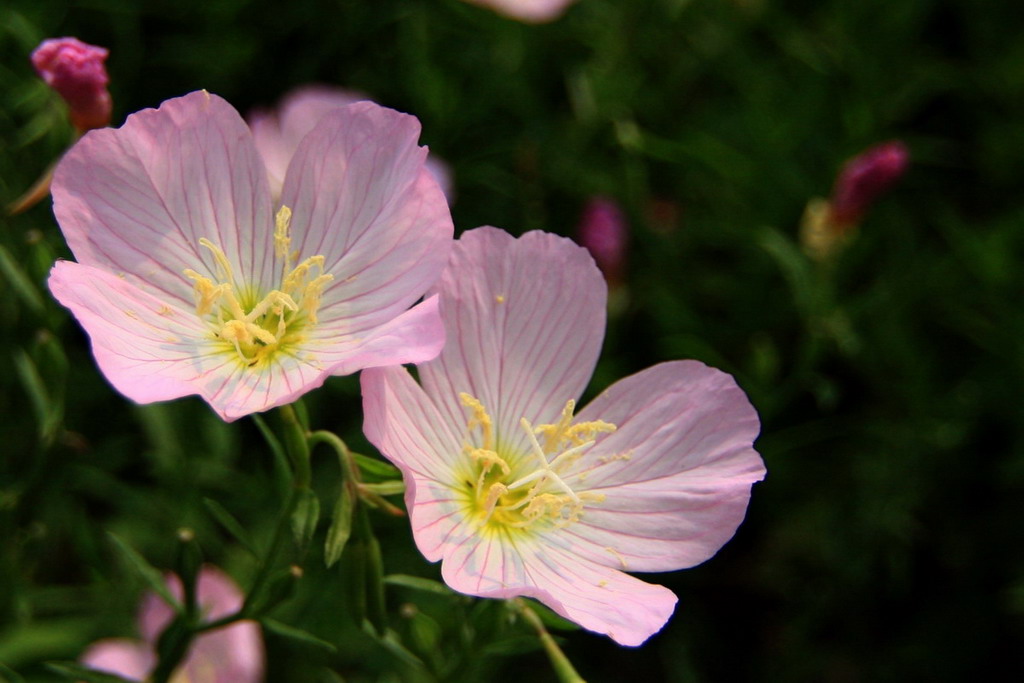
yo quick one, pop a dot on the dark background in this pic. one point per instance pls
(884, 543)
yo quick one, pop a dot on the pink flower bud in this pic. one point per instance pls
(864, 178)
(603, 231)
(76, 71)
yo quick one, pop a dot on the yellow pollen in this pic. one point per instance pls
(256, 328)
(528, 489)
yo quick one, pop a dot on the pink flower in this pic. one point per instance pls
(233, 654)
(529, 11)
(864, 179)
(190, 281)
(278, 133)
(514, 493)
(76, 71)
(604, 232)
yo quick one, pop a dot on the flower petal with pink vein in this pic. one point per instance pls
(187, 284)
(514, 493)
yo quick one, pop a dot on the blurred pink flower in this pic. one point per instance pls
(864, 179)
(277, 133)
(76, 71)
(189, 281)
(604, 232)
(518, 496)
(233, 654)
(529, 11)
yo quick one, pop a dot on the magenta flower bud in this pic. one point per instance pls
(76, 71)
(603, 231)
(864, 178)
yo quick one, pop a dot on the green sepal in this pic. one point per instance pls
(305, 517)
(376, 469)
(341, 525)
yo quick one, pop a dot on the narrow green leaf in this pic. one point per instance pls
(77, 672)
(230, 524)
(341, 526)
(153, 578)
(35, 388)
(418, 583)
(10, 675)
(20, 282)
(282, 471)
(296, 634)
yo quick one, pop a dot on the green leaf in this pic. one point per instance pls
(296, 634)
(418, 583)
(305, 516)
(153, 578)
(20, 282)
(341, 526)
(230, 524)
(77, 672)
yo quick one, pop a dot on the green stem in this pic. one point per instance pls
(561, 664)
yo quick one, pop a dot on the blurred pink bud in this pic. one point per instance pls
(76, 71)
(527, 11)
(603, 231)
(232, 654)
(864, 178)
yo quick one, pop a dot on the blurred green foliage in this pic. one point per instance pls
(885, 543)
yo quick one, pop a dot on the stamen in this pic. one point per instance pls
(480, 419)
(257, 331)
(282, 241)
(219, 256)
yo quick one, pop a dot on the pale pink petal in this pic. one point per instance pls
(151, 351)
(524, 319)
(598, 598)
(136, 200)
(530, 11)
(148, 349)
(361, 197)
(675, 475)
(278, 133)
(127, 658)
(415, 336)
(403, 423)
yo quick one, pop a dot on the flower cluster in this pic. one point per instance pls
(247, 265)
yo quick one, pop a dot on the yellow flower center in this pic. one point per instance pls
(255, 327)
(519, 491)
